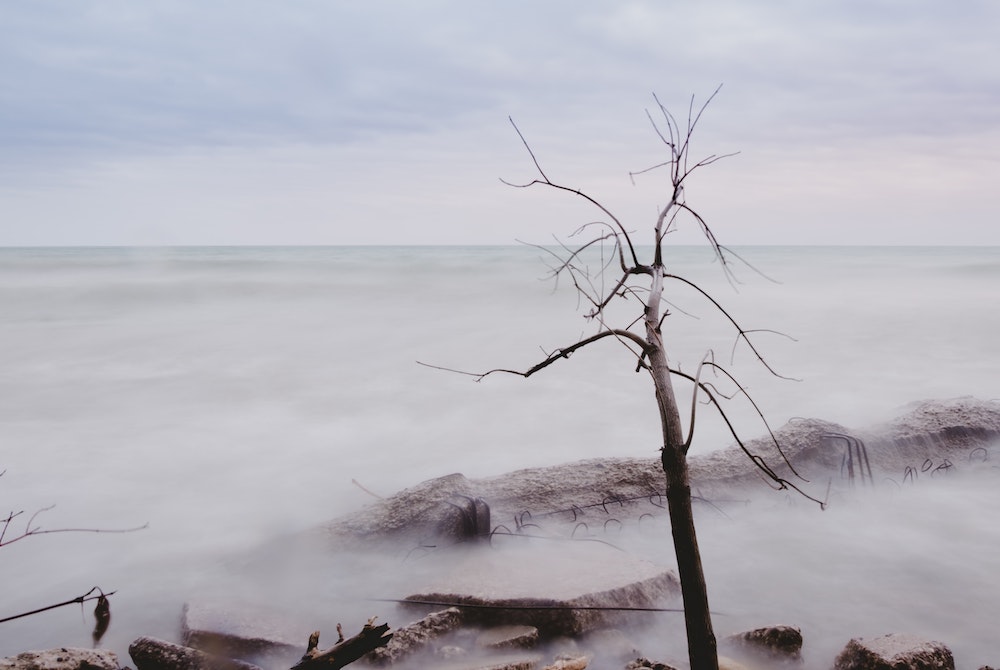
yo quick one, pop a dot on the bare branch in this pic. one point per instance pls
(530, 152)
(727, 250)
(79, 600)
(551, 358)
(732, 354)
(545, 180)
(778, 480)
(763, 419)
(742, 333)
(30, 530)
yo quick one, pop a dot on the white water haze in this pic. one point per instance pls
(228, 396)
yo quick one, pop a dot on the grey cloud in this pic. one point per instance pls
(226, 72)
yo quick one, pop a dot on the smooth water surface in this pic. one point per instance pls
(226, 396)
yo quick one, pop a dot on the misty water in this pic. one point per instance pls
(229, 396)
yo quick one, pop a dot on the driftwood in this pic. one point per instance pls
(345, 651)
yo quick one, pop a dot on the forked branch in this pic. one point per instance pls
(558, 354)
(577, 192)
(31, 530)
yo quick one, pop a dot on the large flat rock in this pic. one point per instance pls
(928, 435)
(241, 630)
(574, 588)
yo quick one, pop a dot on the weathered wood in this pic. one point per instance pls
(345, 651)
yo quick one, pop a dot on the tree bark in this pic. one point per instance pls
(702, 648)
(346, 651)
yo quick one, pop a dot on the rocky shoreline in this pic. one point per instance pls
(574, 613)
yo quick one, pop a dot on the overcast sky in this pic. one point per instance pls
(335, 122)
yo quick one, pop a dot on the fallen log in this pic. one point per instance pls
(345, 651)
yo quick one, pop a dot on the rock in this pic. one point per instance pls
(645, 664)
(610, 644)
(560, 593)
(414, 637)
(151, 654)
(627, 488)
(777, 642)
(895, 652)
(240, 630)
(415, 513)
(569, 663)
(62, 659)
(450, 652)
(508, 637)
(515, 664)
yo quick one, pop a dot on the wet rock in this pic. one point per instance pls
(610, 645)
(895, 652)
(240, 630)
(416, 513)
(936, 433)
(560, 593)
(515, 664)
(62, 659)
(569, 663)
(414, 637)
(589, 491)
(646, 664)
(450, 652)
(803, 451)
(777, 642)
(495, 662)
(151, 654)
(508, 637)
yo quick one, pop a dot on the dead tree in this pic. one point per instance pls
(346, 651)
(642, 283)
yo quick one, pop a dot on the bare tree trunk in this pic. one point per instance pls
(702, 650)
(649, 351)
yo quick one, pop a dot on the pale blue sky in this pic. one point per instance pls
(325, 122)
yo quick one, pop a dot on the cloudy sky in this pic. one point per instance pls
(335, 122)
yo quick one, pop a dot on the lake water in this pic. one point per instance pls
(226, 396)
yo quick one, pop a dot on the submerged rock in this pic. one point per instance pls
(610, 646)
(151, 654)
(420, 513)
(446, 509)
(582, 587)
(642, 663)
(895, 652)
(508, 637)
(240, 630)
(567, 662)
(414, 637)
(942, 432)
(774, 642)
